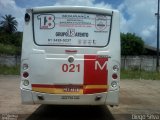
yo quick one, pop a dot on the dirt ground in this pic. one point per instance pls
(139, 100)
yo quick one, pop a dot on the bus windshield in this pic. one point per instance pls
(72, 29)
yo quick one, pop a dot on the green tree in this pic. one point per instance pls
(13, 39)
(131, 44)
(8, 24)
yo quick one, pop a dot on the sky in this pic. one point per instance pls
(136, 16)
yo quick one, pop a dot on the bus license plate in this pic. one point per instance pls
(71, 89)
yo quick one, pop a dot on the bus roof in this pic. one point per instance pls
(72, 9)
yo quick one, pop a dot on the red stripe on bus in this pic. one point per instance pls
(95, 70)
(68, 86)
(92, 91)
(42, 85)
(56, 86)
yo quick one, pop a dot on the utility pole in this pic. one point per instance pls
(157, 62)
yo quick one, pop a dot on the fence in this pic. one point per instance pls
(147, 63)
(9, 60)
(139, 67)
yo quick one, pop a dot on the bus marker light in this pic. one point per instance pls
(27, 17)
(71, 51)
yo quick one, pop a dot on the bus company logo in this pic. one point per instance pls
(46, 21)
(100, 22)
(72, 33)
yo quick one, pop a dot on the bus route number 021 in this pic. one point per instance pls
(71, 68)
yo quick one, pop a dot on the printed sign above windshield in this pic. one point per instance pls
(72, 29)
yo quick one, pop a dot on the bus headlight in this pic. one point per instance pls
(114, 84)
(25, 82)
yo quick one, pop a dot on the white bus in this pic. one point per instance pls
(70, 56)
